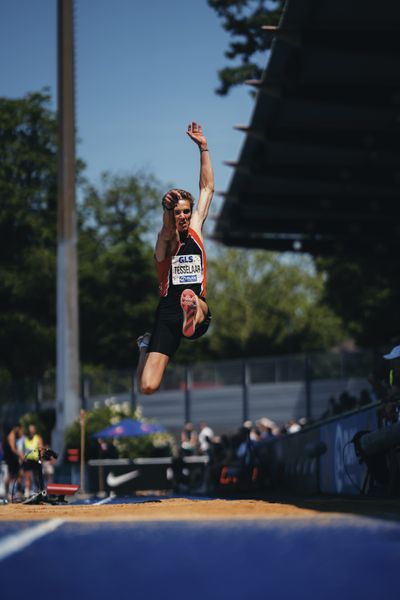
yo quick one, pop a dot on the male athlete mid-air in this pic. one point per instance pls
(181, 266)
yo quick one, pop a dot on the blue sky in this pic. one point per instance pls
(144, 69)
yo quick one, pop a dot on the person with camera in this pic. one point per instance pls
(385, 384)
(33, 442)
(180, 258)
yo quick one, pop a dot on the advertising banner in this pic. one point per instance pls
(124, 477)
(295, 467)
(341, 472)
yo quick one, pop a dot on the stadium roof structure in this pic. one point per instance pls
(319, 170)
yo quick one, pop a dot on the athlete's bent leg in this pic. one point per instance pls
(152, 372)
(194, 310)
(202, 311)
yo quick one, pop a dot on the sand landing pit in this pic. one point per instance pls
(174, 509)
(182, 509)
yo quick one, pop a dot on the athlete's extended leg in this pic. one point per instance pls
(151, 366)
(152, 371)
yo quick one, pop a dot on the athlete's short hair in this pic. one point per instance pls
(186, 196)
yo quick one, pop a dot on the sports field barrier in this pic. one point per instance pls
(124, 477)
(324, 458)
(222, 393)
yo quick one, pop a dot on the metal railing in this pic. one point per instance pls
(203, 381)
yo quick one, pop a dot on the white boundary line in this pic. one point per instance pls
(23, 539)
(104, 501)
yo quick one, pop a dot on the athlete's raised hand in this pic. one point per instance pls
(195, 132)
(170, 199)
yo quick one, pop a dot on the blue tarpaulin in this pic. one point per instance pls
(129, 428)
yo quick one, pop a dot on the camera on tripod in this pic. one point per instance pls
(55, 492)
(48, 454)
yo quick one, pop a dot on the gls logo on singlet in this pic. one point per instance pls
(186, 269)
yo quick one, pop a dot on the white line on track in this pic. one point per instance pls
(104, 501)
(23, 539)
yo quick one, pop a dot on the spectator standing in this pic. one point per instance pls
(255, 434)
(394, 369)
(189, 440)
(292, 426)
(12, 458)
(245, 450)
(205, 438)
(32, 444)
(392, 399)
(266, 427)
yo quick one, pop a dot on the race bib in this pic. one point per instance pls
(186, 269)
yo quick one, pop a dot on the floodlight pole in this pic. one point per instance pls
(68, 402)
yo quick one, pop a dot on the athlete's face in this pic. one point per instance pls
(183, 214)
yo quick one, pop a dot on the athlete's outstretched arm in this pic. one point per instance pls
(167, 238)
(206, 182)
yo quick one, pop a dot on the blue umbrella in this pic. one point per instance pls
(129, 428)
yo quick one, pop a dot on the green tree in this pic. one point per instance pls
(28, 177)
(262, 305)
(118, 287)
(243, 20)
(365, 293)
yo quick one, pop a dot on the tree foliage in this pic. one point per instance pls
(366, 294)
(118, 287)
(263, 305)
(117, 283)
(243, 20)
(28, 177)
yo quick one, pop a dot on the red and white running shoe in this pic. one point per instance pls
(189, 304)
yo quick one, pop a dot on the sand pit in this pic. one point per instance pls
(157, 510)
(181, 509)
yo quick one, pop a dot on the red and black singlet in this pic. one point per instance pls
(187, 268)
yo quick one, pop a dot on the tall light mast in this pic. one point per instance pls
(68, 396)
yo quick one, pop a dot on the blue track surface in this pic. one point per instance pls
(347, 557)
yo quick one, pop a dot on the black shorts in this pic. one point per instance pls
(30, 465)
(167, 331)
(13, 465)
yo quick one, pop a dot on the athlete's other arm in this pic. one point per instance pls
(167, 239)
(206, 182)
